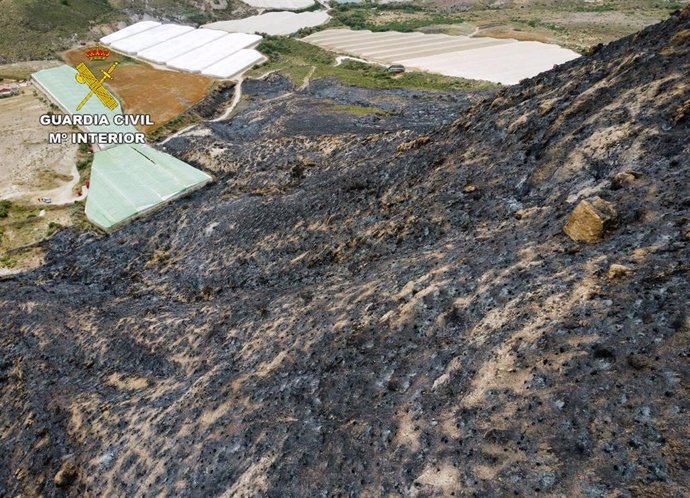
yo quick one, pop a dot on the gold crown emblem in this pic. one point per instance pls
(98, 54)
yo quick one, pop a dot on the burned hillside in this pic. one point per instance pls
(392, 308)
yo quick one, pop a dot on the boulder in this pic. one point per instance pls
(625, 178)
(617, 271)
(67, 473)
(590, 220)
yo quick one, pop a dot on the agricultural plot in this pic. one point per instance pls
(273, 23)
(132, 45)
(129, 181)
(190, 50)
(504, 61)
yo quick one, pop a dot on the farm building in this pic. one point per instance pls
(240, 61)
(216, 51)
(189, 41)
(132, 30)
(132, 45)
(280, 4)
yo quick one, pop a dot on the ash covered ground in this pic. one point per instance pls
(380, 304)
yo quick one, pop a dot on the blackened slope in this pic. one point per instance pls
(407, 319)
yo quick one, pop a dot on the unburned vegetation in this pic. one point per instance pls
(301, 61)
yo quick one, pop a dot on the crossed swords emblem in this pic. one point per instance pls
(85, 76)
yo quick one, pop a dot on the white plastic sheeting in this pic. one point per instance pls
(273, 23)
(280, 4)
(505, 61)
(213, 52)
(231, 66)
(180, 45)
(134, 44)
(506, 64)
(129, 31)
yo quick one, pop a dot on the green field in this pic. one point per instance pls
(396, 17)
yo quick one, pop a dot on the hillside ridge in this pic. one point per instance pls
(384, 308)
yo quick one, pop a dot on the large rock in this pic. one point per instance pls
(617, 271)
(66, 474)
(590, 220)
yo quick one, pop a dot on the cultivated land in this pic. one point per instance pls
(577, 25)
(488, 59)
(303, 62)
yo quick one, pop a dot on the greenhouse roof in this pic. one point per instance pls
(128, 181)
(60, 84)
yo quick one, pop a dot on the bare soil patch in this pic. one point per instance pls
(31, 167)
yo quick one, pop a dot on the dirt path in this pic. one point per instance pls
(235, 100)
(307, 78)
(177, 134)
(341, 58)
(59, 196)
